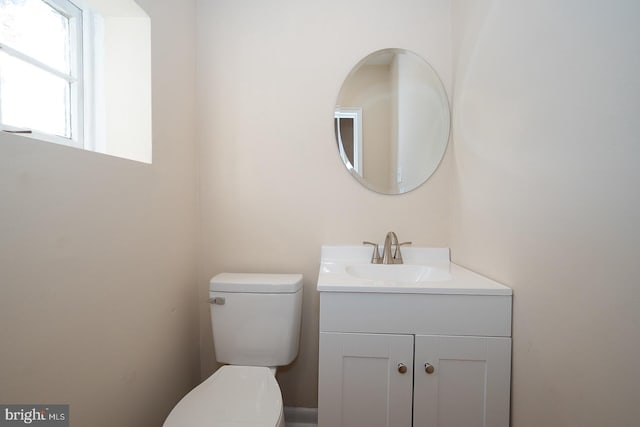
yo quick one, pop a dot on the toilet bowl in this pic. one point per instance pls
(255, 320)
(246, 396)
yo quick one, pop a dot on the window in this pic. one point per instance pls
(77, 72)
(41, 79)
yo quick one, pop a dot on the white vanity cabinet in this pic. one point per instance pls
(359, 382)
(414, 359)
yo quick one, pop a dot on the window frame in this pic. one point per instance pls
(76, 77)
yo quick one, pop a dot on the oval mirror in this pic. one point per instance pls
(392, 121)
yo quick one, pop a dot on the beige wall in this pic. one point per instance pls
(273, 187)
(538, 191)
(97, 259)
(547, 199)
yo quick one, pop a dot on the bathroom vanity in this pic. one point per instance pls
(425, 344)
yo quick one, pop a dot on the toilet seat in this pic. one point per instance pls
(246, 396)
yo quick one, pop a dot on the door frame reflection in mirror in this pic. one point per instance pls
(354, 114)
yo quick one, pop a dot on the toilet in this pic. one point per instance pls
(255, 320)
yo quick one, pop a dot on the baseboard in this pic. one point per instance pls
(300, 417)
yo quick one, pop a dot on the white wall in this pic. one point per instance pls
(97, 259)
(273, 187)
(423, 121)
(121, 126)
(546, 149)
(127, 89)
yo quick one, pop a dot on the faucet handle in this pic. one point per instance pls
(397, 255)
(375, 256)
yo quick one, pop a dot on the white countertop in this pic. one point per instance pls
(336, 260)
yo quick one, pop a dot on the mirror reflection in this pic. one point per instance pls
(392, 121)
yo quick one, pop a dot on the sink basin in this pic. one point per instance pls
(405, 273)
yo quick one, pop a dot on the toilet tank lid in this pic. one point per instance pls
(261, 283)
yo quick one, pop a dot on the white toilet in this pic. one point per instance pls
(256, 327)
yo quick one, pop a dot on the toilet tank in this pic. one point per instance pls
(255, 318)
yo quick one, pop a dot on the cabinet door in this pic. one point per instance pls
(469, 385)
(360, 383)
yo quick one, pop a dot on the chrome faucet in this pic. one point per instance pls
(388, 257)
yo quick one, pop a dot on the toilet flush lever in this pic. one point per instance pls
(217, 300)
